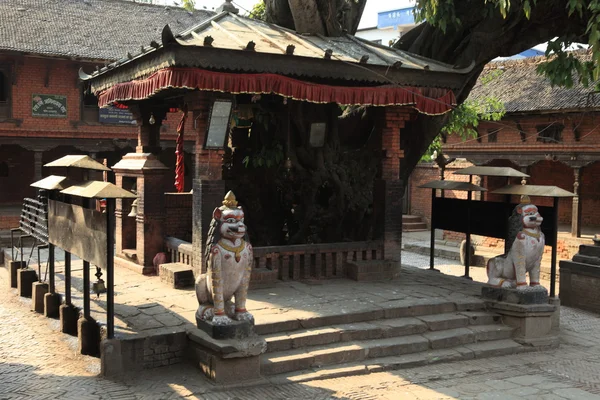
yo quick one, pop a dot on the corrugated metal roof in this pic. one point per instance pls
(453, 185)
(249, 37)
(78, 161)
(534, 190)
(99, 190)
(53, 182)
(229, 31)
(491, 171)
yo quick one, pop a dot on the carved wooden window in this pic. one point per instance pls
(492, 135)
(550, 133)
(5, 92)
(89, 107)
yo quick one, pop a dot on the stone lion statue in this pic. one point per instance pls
(229, 261)
(526, 247)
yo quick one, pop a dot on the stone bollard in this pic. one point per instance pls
(68, 315)
(39, 290)
(25, 279)
(51, 305)
(14, 268)
(88, 333)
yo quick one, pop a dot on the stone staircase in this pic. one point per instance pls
(408, 336)
(413, 223)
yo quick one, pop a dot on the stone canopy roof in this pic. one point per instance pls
(522, 90)
(88, 29)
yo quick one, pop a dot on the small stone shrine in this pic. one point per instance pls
(580, 279)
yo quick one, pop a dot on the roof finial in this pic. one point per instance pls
(230, 201)
(525, 199)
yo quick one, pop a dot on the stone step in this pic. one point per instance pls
(176, 275)
(467, 352)
(411, 219)
(390, 310)
(414, 226)
(386, 328)
(350, 352)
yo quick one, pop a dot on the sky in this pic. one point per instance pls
(369, 17)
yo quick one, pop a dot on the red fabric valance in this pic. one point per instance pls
(433, 101)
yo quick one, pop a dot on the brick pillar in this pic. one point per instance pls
(209, 187)
(150, 219)
(208, 194)
(148, 230)
(576, 215)
(392, 186)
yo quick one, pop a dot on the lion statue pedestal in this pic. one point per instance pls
(229, 261)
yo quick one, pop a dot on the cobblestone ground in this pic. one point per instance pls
(37, 362)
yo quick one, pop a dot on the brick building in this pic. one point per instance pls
(45, 112)
(552, 134)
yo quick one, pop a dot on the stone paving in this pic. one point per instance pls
(146, 306)
(38, 362)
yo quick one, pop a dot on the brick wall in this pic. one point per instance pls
(589, 190)
(420, 199)
(509, 132)
(20, 170)
(9, 221)
(178, 211)
(34, 75)
(557, 174)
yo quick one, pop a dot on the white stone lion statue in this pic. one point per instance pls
(229, 259)
(526, 247)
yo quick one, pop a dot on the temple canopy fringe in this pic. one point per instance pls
(431, 101)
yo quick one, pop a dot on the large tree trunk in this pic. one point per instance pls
(478, 40)
(324, 17)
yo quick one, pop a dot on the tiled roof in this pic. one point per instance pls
(87, 29)
(518, 85)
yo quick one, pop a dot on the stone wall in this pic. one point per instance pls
(580, 280)
(119, 356)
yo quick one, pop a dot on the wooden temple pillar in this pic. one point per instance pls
(139, 238)
(391, 186)
(576, 213)
(208, 184)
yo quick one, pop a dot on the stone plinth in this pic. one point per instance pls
(530, 295)
(14, 268)
(226, 361)
(176, 275)
(88, 333)
(532, 322)
(51, 305)
(373, 270)
(68, 315)
(25, 279)
(235, 330)
(580, 279)
(39, 290)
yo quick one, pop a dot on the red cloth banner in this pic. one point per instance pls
(179, 162)
(433, 101)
